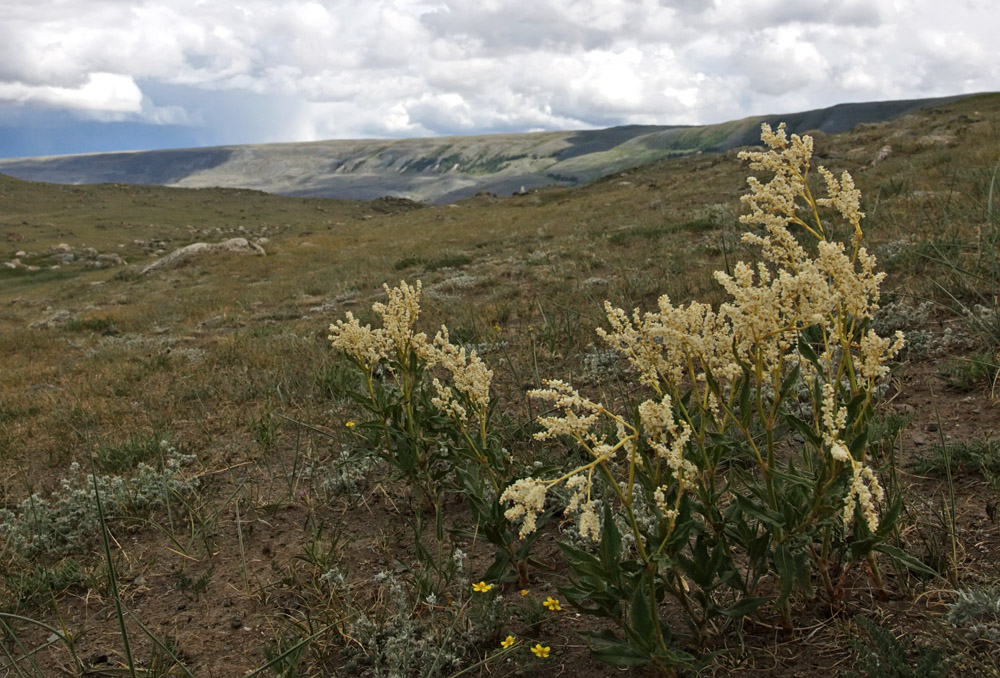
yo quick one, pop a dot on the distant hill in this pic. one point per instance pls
(437, 170)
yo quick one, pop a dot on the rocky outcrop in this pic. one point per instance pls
(182, 255)
(61, 255)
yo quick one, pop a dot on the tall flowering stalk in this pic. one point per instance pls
(743, 477)
(430, 406)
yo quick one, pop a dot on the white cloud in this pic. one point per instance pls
(343, 68)
(101, 93)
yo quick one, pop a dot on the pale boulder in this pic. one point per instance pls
(179, 256)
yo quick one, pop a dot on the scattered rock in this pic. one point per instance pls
(179, 256)
(107, 260)
(936, 139)
(53, 319)
(17, 263)
(882, 154)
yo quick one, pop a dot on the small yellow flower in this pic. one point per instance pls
(552, 604)
(540, 651)
(482, 587)
(524, 592)
(507, 642)
(350, 424)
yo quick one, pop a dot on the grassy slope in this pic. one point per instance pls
(204, 354)
(433, 169)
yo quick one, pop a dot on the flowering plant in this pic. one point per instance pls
(429, 409)
(744, 475)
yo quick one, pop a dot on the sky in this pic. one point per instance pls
(82, 76)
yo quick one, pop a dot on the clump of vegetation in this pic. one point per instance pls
(883, 654)
(976, 612)
(720, 382)
(723, 387)
(979, 457)
(68, 519)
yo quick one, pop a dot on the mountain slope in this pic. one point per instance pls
(435, 169)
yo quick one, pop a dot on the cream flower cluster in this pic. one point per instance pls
(396, 339)
(661, 346)
(865, 492)
(667, 437)
(528, 498)
(832, 289)
(579, 414)
(581, 504)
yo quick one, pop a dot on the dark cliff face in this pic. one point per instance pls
(144, 167)
(436, 170)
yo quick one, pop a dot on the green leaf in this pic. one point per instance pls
(583, 563)
(803, 573)
(500, 569)
(806, 351)
(784, 565)
(612, 650)
(789, 382)
(745, 411)
(592, 596)
(888, 521)
(641, 614)
(702, 567)
(713, 383)
(611, 546)
(761, 513)
(906, 559)
(805, 429)
(855, 406)
(405, 456)
(859, 443)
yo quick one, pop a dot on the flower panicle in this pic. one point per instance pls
(396, 339)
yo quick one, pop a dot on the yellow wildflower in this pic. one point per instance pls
(482, 587)
(552, 604)
(507, 642)
(540, 651)
(350, 424)
(524, 592)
